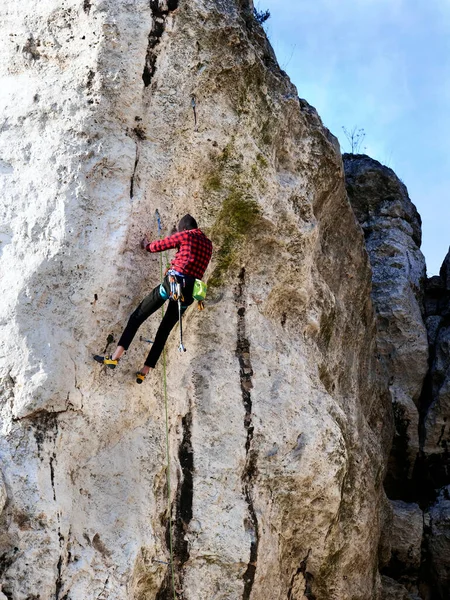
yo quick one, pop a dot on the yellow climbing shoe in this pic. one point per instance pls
(106, 360)
(140, 377)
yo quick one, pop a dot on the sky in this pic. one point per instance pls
(382, 66)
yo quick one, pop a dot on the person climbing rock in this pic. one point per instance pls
(189, 263)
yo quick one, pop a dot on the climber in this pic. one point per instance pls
(189, 263)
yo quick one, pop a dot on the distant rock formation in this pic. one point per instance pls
(392, 231)
(433, 471)
(413, 321)
(438, 545)
(436, 421)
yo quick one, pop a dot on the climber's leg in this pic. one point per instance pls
(147, 307)
(167, 324)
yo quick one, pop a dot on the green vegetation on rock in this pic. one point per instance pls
(238, 215)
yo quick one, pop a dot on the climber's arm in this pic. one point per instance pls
(172, 241)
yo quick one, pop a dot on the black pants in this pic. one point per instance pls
(148, 306)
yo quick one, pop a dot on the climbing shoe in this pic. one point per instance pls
(140, 377)
(106, 360)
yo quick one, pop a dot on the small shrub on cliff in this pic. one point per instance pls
(261, 16)
(355, 138)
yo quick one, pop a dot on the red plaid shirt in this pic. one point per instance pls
(194, 251)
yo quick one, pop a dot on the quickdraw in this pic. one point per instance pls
(176, 295)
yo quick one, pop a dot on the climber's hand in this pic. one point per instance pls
(145, 242)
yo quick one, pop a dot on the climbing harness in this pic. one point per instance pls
(169, 507)
(175, 285)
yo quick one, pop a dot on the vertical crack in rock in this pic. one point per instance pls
(6, 560)
(160, 9)
(59, 579)
(87, 6)
(250, 469)
(137, 134)
(46, 430)
(104, 587)
(185, 492)
(184, 501)
(308, 578)
(52, 473)
(59, 583)
(136, 161)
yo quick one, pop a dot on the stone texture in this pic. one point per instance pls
(385, 545)
(406, 535)
(436, 423)
(392, 590)
(439, 545)
(392, 230)
(433, 475)
(444, 272)
(279, 418)
(3, 494)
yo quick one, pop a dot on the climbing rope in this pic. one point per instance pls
(169, 507)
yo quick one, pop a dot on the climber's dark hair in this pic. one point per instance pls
(187, 222)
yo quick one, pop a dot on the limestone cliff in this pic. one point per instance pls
(279, 416)
(433, 473)
(413, 338)
(392, 229)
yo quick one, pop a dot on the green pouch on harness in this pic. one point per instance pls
(199, 292)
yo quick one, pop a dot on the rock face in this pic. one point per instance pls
(279, 418)
(392, 230)
(413, 324)
(433, 472)
(406, 533)
(439, 544)
(437, 409)
(392, 590)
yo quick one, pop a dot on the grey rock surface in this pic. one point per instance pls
(3, 494)
(279, 416)
(444, 272)
(437, 413)
(433, 476)
(406, 535)
(392, 590)
(439, 544)
(392, 231)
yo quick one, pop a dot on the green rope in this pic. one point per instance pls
(169, 507)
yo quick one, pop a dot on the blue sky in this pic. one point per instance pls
(384, 66)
